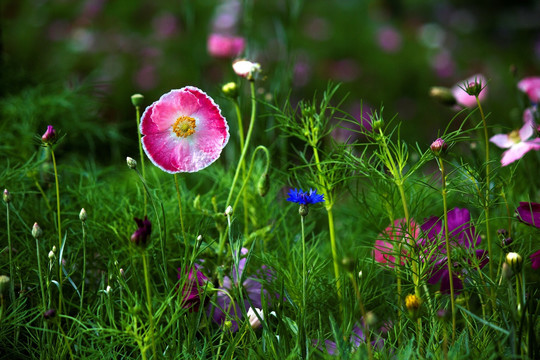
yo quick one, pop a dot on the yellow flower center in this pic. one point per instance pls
(514, 136)
(184, 126)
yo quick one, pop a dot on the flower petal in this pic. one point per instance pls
(502, 140)
(516, 152)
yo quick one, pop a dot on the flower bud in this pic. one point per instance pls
(122, 272)
(227, 324)
(6, 196)
(303, 210)
(412, 302)
(253, 319)
(36, 231)
(230, 89)
(54, 249)
(142, 234)
(263, 185)
(228, 211)
(348, 264)
(137, 100)
(439, 147)
(515, 261)
(49, 137)
(131, 163)
(82, 215)
(246, 68)
(507, 241)
(443, 95)
(474, 88)
(502, 232)
(108, 289)
(377, 125)
(4, 283)
(197, 202)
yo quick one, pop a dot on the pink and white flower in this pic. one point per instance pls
(517, 142)
(531, 87)
(461, 96)
(183, 131)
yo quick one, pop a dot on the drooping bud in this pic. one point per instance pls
(131, 163)
(82, 215)
(36, 231)
(49, 137)
(137, 100)
(515, 261)
(439, 147)
(51, 255)
(443, 95)
(6, 196)
(230, 89)
(253, 319)
(4, 283)
(263, 185)
(228, 211)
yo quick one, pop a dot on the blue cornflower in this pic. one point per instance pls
(305, 198)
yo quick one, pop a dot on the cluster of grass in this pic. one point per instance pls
(78, 287)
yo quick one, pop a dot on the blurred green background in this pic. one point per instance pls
(75, 64)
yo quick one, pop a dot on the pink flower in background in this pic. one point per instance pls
(531, 87)
(386, 246)
(535, 260)
(225, 46)
(193, 289)
(517, 142)
(389, 39)
(461, 95)
(183, 131)
(529, 213)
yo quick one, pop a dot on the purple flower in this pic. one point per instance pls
(191, 291)
(535, 260)
(141, 235)
(529, 213)
(49, 137)
(356, 339)
(462, 236)
(251, 286)
(518, 142)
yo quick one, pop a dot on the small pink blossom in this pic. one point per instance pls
(387, 244)
(183, 131)
(461, 95)
(225, 46)
(531, 87)
(517, 142)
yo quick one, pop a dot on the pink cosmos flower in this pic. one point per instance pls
(225, 46)
(461, 95)
(531, 87)
(193, 288)
(184, 131)
(517, 142)
(535, 260)
(386, 246)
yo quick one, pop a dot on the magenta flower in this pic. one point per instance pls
(225, 46)
(192, 289)
(529, 213)
(535, 260)
(251, 286)
(184, 131)
(142, 234)
(356, 339)
(386, 246)
(517, 142)
(531, 87)
(463, 241)
(49, 137)
(461, 95)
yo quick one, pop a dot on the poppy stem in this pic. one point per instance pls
(149, 304)
(138, 118)
(176, 183)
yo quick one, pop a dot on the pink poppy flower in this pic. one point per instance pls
(517, 142)
(386, 246)
(461, 95)
(184, 131)
(225, 46)
(531, 87)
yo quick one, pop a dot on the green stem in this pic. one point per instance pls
(10, 248)
(40, 277)
(241, 136)
(180, 209)
(60, 274)
(304, 275)
(448, 254)
(363, 312)
(149, 305)
(260, 147)
(84, 267)
(138, 118)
